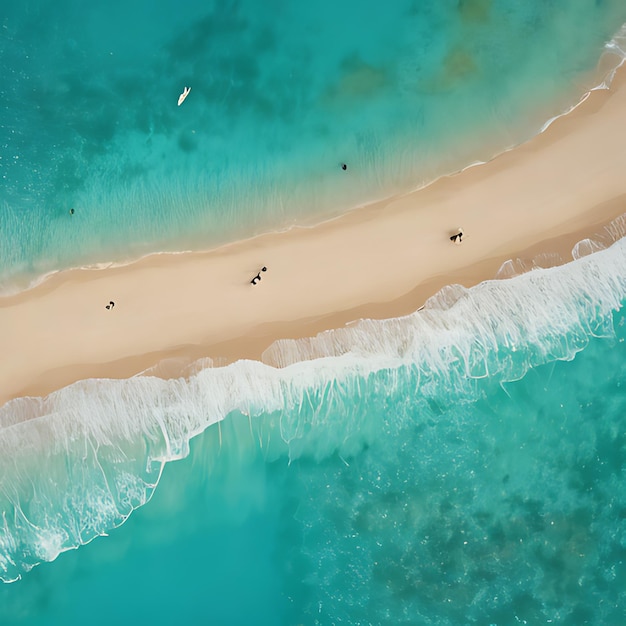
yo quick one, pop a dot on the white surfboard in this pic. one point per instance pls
(183, 95)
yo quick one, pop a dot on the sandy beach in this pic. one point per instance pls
(381, 261)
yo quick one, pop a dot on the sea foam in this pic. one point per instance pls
(76, 463)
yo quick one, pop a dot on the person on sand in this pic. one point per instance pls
(258, 276)
(110, 305)
(458, 237)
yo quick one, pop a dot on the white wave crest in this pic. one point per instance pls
(537, 307)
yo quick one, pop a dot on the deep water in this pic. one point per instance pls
(282, 94)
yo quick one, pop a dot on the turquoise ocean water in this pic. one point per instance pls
(282, 94)
(462, 465)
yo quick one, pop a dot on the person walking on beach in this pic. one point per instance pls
(458, 238)
(110, 305)
(258, 276)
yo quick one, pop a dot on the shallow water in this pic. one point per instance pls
(282, 94)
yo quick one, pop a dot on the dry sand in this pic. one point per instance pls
(381, 261)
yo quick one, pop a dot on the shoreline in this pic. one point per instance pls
(382, 260)
(609, 65)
